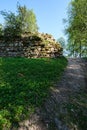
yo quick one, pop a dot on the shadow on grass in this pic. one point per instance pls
(76, 116)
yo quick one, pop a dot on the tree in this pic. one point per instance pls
(71, 48)
(12, 25)
(77, 26)
(24, 21)
(61, 40)
(28, 18)
(1, 30)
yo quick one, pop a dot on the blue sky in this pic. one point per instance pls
(49, 13)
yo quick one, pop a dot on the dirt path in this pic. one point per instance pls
(73, 82)
(54, 112)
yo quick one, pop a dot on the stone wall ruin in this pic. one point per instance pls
(31, 46)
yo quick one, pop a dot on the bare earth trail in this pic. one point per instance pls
(50, 117)
(73, 82)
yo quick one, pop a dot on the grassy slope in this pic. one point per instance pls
(24, 85)
(76, 116)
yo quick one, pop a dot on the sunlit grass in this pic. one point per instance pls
(24, 85)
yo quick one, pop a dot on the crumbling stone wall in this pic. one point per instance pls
(31, 46)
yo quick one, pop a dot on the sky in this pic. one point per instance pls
(49, 14)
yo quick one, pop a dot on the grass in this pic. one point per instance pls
(24, 86)
(85, 58)
(76, 116)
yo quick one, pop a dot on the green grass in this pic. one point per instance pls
(76, 116)
(85, 58)
(24, 86)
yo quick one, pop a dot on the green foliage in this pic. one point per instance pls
(28, 19)
(12, 25)
(77, 111)
(1, 30)
(24, 85)
(61, 40)
(77, 26)
(17, 24)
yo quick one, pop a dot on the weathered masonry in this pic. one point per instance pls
(31, 46)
